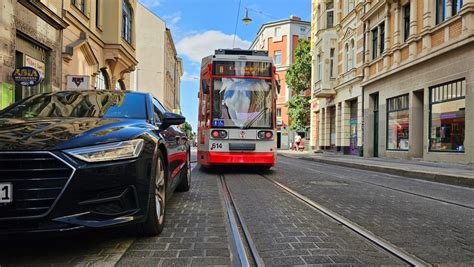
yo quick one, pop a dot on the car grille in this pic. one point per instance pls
(38, 179)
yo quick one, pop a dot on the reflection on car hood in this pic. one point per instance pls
(62, 133)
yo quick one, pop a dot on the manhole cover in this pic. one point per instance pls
(328, 183)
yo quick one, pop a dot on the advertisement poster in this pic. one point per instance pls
(7, 95)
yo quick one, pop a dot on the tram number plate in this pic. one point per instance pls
(6, 193)
(216, 146)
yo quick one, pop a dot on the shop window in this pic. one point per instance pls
(397, 123)
(126, 22)
(277, 57)
(447, 117)
(406, 21)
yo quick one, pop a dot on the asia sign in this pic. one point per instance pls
(27, 76)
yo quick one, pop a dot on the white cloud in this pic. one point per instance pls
(172, 19)
(190, 77)
(200, 45)
(150, 3)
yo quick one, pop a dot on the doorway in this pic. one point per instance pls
(353, 128)
(418, 126)
(375, 107)
(332, 128)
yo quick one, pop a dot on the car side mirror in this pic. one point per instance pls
(170, 118)
(205, 87)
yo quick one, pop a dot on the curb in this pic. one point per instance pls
(433, 177)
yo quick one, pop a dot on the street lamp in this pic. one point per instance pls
(247, 20)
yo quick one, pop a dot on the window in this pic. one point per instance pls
(320, 68)
(102, 80)
(346, 7)
(346, 56)
(331, 62)
(278, 112)
(447, 116)
(382, 37)
(278, 32)
(80, 4)
(277, 57)
(441, 11)
(375, 36)
(406, 21)
(329, 15)
(456, 6)
(351, 5)
(397, 123)
(97, 13)
(126, 22)
(352, 59)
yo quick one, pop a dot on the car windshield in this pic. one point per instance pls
(100, 104)
(242, 103)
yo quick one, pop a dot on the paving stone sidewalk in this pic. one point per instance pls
(195, 232)
(287, 232)
(457, 174)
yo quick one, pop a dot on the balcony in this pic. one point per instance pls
(321, 91)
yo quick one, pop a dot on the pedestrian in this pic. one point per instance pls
(297, 141)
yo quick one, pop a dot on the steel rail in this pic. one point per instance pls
(378, 241)
(234, 222)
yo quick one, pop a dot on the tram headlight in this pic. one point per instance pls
(219, 134)
(265, 135)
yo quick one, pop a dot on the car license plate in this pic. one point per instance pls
(6, 190)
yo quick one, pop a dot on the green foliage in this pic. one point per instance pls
(299, 112)
(298, 76)
(187, 129)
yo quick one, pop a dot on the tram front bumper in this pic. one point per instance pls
(239, 158)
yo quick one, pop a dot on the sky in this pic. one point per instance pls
(200, 27)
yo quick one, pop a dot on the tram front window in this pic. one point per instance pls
(242, 103)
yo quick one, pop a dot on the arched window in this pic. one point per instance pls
(352, 54)
(120, 85)
(346, 56)
(127, 21)
(102, 80)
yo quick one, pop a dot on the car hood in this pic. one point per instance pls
(55, 134)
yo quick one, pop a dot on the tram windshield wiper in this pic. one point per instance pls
(250, 123)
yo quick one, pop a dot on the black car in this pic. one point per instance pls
(89, 159)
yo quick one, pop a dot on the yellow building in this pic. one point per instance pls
(30, 36)
(337, 50)
(99, 44)
(159, 69)
(419, 80)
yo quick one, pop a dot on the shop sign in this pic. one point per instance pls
(31, 62)
(75, 82)
(27, 76)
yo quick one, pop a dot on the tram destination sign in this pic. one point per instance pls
(243, 68)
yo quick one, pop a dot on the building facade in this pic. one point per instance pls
(30, 36)
(419, 80)
(99, 44)
(337, 51)
(159, 69)
(280, 38)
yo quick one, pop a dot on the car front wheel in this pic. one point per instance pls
(155, 221)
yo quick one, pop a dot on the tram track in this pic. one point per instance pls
(245, 247)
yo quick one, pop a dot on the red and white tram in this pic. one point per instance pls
(237, 109)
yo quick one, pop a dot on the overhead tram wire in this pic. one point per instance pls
(236, 24)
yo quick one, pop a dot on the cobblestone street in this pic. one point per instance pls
(433, 222)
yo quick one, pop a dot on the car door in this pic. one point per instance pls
(171, 142)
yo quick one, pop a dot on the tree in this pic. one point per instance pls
(187, 129)
(298, 78)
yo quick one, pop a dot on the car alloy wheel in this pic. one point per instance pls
(160, 191)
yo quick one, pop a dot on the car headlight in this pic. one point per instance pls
(108, 152)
